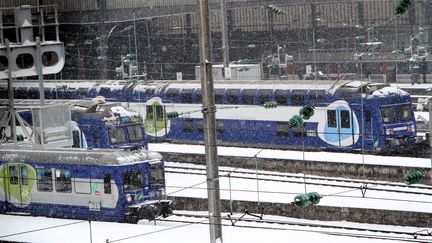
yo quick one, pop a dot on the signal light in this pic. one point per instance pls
(413, 177)
(270, 104)
(275, 9)
(306, 112)
(402, 6)
(172, 115)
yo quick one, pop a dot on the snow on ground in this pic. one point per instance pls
(297, 155)
(186, 185)
(195, 230)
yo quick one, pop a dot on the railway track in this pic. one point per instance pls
(348, 184)
(259, 222)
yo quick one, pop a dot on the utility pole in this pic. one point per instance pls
(224, 30)
(209, 122)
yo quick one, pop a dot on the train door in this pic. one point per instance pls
(18, 183)
(339, 131)
(155, 123)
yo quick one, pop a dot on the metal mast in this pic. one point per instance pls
(224, 30)
(209, 121)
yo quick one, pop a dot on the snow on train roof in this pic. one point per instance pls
(110, 157)
(307, 85)
(389, 91)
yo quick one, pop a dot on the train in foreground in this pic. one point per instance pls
(106, 185)
(348, 115)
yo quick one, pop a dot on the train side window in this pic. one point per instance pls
(44, 179)
(13, 174)
(232, 96)
(220, 127)
(368, 116)
(315, 96)
(63, 180)
(200, 126)
(187, 125)
(107, 182)
(331, 118)
(281, 96)
(135, 133)
(297, 97)
(24, 175)
(247, 97)
(264, 95)
(76, 139)
(149, 112)
(345, 119)
(159, 113)
(218, 93)
(388, 114)
(172, 94)
(104, 91)
(186, 96)
(95, 136)
(198, 96)
(282, 129)
(117, 135)
(157, 178)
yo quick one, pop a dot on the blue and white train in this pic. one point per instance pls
(348, 115)
(107, 185)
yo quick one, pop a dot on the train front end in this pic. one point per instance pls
(144, 192)
(396, 122)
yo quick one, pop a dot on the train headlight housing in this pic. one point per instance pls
(128, 198)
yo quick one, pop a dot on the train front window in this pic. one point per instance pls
(132, 180)
(117, 135)
(135, 133)
(405, 113)
(159, 113)
(156, 175)
(345, 119)
(388, 114)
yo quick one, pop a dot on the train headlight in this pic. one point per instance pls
(128, 198)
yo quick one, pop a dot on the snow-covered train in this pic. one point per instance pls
(108, 185)
(348, 115)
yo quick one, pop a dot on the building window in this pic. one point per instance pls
(44, 180)
(63, 180)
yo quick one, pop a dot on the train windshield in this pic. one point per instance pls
(405, 112)
(132, 180)
(117, 135)
(388, 114)
(135, 133)
(157, 177)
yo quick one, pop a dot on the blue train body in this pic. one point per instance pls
(108, 185)
(349, 115)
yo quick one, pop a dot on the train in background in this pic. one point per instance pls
(348, 115)
(102, 184)
(95, 123)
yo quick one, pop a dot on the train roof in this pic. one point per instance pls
(108, 157)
